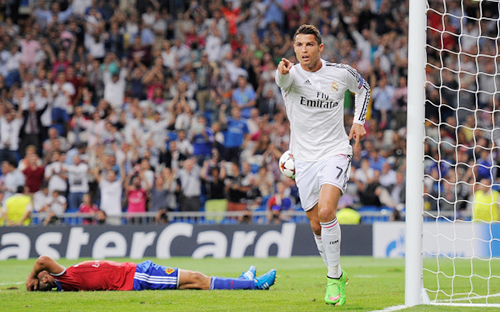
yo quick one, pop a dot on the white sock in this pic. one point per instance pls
(330, 234)
(334, 272)
(319, 244)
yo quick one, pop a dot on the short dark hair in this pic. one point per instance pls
(215, 169)
(42, 286)
(12, 162)
(81, 144)
(309, 30)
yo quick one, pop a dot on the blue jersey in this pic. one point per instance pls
(202, 146)
(242, 98)
(235, 133)
(150, 276)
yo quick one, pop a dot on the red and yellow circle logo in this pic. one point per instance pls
(170, 270)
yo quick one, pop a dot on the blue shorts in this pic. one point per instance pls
(150, 276)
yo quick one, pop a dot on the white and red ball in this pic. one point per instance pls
(287, 164)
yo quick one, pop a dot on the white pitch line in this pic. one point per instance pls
(5, 284)
(391, 309)
(366, 276)
(466, 305)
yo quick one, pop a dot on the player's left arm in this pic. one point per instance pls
(360, 87)
(43, 263)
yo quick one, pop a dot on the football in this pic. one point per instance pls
(287, 164)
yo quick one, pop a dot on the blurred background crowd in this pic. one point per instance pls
(171, 105)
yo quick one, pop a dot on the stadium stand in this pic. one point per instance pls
(134, 89)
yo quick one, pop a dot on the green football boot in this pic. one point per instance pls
(335, 290)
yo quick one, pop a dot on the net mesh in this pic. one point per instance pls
(461, 237)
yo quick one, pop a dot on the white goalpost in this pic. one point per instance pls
(453, 154)
(414, 152)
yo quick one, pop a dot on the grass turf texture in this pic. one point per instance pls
(374, 284)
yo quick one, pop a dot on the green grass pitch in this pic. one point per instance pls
(375, 284)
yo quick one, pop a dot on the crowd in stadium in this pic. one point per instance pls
(133, 106)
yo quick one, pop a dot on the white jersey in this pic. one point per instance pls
(315, 107)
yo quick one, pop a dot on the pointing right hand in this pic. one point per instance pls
(284, 66)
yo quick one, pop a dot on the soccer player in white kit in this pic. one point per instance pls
(313, 91)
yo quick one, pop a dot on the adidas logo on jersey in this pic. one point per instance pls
(307, 82)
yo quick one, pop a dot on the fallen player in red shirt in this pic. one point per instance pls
(47, 274)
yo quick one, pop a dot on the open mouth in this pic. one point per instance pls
(305, 57)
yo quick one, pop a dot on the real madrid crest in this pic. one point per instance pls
(335, 87)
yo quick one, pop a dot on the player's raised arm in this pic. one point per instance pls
(43, 263)
(283, 78)
(284, 66)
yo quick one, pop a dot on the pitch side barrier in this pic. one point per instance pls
(178, 239)
(260, 216)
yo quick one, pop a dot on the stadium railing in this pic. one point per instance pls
(368, 216)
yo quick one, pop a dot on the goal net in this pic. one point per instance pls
(458, 153)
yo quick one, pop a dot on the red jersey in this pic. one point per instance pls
(88, 209)
(231, 16)
(97, 275)
(34, 178)
(137, 201)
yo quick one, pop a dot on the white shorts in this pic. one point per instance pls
(310, 176)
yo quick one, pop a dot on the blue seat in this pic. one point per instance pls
(208, 118)
(368, 208)
(299, 219)
(172, 136)
(260, 219)
(495, 187)
(229, 221)
(264, 200)
(385, 214)
(72, 221)
(35, 220)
